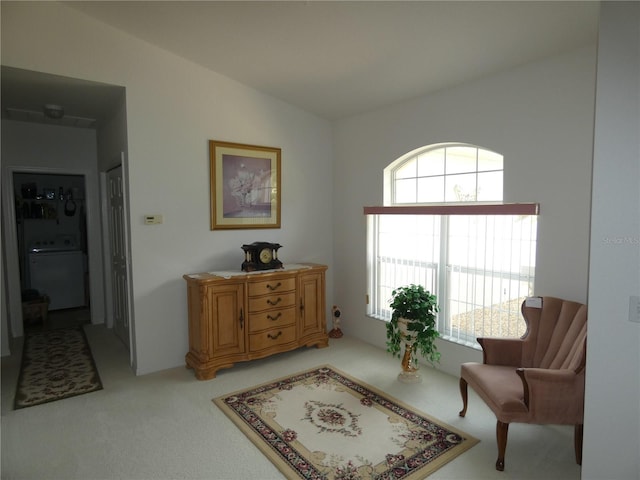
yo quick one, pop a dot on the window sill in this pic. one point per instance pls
(474, 345)
(376, 317)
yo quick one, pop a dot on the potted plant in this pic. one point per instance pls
(413, 325)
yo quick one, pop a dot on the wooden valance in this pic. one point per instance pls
(458, 209)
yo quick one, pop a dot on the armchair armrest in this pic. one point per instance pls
(553, 396)
(501, 351)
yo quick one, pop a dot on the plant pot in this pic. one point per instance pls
(410, 372)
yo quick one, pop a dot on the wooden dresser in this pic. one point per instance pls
(238, 316)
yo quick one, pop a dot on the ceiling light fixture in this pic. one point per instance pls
(53, 111)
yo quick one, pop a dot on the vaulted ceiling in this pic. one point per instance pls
(338, 58)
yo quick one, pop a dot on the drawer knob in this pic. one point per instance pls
(272, 302)
(272, 287)
(272, 318)
(273, 337)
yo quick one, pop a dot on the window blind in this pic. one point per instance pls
(478, 259)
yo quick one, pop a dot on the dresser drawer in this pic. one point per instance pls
(271, 319)
(272, 286)
(272, 338)
(278, 300)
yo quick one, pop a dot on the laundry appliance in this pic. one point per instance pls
(56, 269)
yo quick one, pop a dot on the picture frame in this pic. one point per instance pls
(245, 186)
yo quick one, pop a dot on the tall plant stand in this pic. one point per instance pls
(410, 372)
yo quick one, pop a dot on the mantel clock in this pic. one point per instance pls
(261, 256)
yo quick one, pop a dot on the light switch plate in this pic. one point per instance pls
(533, 302)
(153, 219)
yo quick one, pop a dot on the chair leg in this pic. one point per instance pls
(502, 429)
(577, 440)
(465, 397)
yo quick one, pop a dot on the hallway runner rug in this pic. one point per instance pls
(56, 364)
(324, 424)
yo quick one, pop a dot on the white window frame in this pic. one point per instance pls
(431, 274)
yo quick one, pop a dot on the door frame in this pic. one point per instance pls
(10, 242)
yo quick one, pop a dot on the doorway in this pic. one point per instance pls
(51, 229)
(75, 144)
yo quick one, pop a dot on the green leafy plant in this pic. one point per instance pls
(418, 307)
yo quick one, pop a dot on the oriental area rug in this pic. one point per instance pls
(56, 364)
(324, 424)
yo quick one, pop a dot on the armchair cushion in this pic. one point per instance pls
(499, 386)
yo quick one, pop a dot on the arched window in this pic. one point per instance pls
(449, 172)
(444, 226)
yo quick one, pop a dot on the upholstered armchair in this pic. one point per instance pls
(538, 378)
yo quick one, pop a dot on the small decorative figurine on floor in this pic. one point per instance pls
(335, 331)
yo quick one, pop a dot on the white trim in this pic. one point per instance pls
(10, 234)
(106, 261)
(127, 235)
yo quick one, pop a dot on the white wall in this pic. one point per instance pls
(30, 147)
(612, 408)
(173, 108)
(539, 116)
(112, 136)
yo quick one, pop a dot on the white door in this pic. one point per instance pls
(117, 237)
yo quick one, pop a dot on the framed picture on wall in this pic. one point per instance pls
(245, 186)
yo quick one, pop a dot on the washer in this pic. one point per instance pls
(56, 269)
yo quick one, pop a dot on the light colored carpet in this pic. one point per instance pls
(323, 423)
(165, 426)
